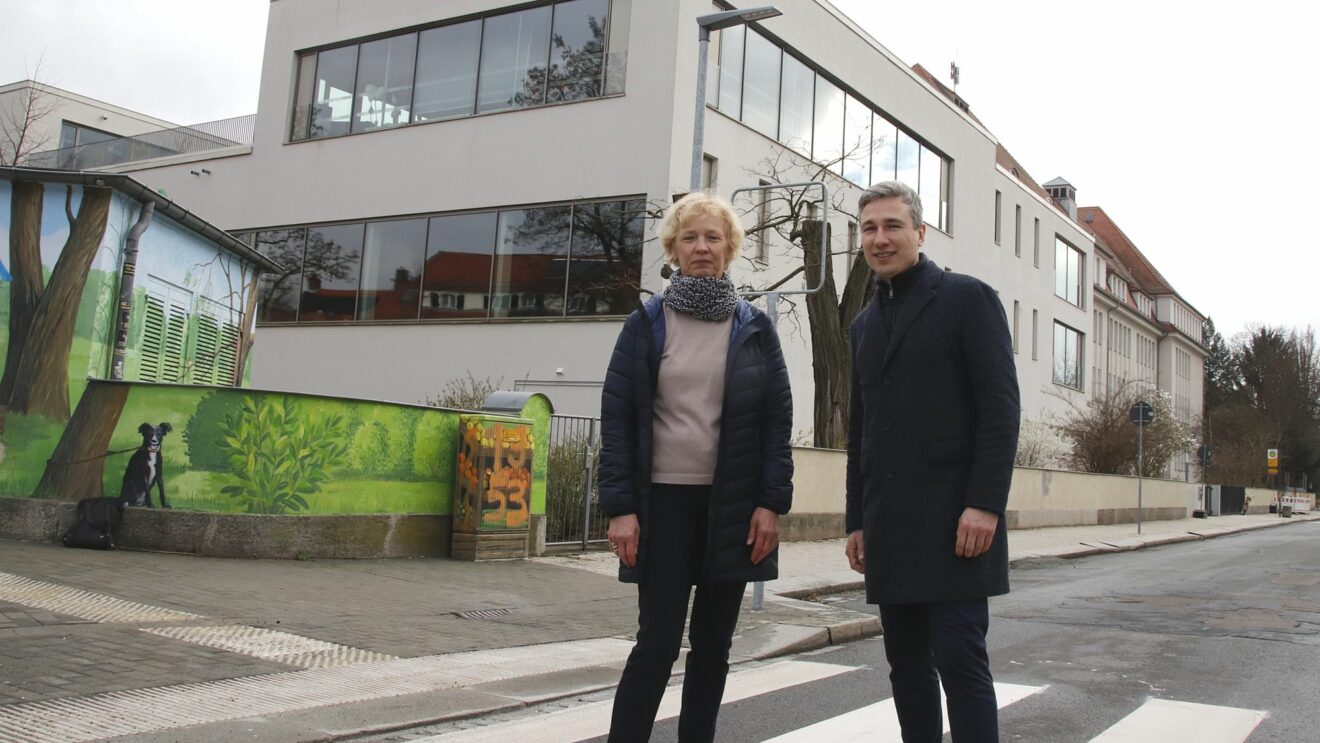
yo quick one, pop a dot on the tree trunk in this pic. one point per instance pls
(248, 321)
(41, 382)
(86, 437)
(829, 346)
(25, 268)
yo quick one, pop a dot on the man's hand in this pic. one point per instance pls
(763, 535)
(625, 535)
(856, 552)
(976, 529)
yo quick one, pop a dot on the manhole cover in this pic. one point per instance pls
(485, 613)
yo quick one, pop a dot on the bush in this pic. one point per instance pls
(278, 455)
(370, 450)
(434, 445)
(204, 432)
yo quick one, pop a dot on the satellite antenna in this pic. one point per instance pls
(955, 74)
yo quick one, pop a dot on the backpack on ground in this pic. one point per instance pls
(94, 524)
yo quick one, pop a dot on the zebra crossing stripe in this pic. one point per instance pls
(593, 720)
(1162, 720)
(879, 721)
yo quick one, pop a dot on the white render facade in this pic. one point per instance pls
(628, 142)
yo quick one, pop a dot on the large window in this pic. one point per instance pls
(760, 107)
(545, 54)
(1068, 265)
(770, 90)
(575, 259)
(1067, 356)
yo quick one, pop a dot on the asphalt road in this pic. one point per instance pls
(1111, 645)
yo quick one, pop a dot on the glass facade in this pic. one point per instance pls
(576, 259)
(767, 88)
(549, 53)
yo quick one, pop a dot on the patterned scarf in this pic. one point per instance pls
(703, 297)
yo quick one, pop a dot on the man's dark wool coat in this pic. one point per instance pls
(754, 467)
(933, 429)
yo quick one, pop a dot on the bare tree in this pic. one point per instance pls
(1104, 438)
(789, 219)
(465, 393)
(21, 131)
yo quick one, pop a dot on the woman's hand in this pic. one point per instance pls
(763, 535)
(625, 536)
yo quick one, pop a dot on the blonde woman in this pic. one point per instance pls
(695, 466)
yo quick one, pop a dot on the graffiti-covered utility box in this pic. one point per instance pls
(492, 487)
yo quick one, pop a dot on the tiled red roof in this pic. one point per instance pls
(1148, 279)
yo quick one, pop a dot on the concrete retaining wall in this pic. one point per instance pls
(1038, 497)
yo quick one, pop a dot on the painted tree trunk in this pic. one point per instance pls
(41, 382)
(75, 469)
(25, 269)
(247, 324)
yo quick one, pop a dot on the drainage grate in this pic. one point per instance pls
(272, 645)
(76, 602)
(484, 613)
(142, 711)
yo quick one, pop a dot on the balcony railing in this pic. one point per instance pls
(183, 140)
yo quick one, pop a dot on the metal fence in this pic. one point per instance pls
(572, 503)
(212, 135)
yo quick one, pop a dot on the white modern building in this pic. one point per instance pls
(36, 117)
(464, 187)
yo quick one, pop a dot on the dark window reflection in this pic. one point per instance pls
(577, 50)
(330, 273)
(458, 260)
(392, 270)
(531, 260)
(447, 71)
(604, 270)
(384, 82)
(514, 50)
(277, 293)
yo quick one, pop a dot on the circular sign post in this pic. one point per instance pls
(1142, 414)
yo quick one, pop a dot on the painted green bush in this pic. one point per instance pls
(279, 455)
(205, 431)
(370, 451)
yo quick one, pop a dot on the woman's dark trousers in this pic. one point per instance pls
(676, 546)
(930, 644)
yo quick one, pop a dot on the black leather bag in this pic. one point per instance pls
(94, 524)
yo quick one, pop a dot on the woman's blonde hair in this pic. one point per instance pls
(699, 204)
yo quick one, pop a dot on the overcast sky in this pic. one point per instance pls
(1192, 124)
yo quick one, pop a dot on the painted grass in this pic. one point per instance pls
(200, 491)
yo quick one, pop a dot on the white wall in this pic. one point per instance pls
(67, 106)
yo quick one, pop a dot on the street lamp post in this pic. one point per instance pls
(706, 24)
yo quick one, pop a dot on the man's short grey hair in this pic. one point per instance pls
(891, 190)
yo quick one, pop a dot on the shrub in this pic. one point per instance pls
(279, 456)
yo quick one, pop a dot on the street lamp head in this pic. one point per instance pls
(717, 21)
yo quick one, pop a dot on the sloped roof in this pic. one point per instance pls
(1103, 226)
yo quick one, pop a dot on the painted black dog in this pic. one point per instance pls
(144, 468)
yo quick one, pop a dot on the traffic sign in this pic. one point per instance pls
(1272, 461)
(1142, 414)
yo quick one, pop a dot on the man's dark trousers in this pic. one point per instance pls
(929, 643)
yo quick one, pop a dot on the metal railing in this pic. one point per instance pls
(572, 502)
(183, 140)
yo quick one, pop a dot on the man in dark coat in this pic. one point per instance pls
(932, 436)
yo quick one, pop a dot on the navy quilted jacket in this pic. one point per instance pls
(755, 464)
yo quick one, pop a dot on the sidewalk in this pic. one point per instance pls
(163, 647)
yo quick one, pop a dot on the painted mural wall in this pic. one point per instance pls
(60, 253)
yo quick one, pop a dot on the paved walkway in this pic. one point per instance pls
(163, 647)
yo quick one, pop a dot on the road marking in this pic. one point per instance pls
(75, 602)
(142, 711)
(879, 721)
(273, 645)
(593, 720)
(1162, 720)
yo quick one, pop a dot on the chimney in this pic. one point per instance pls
(1064, 194)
